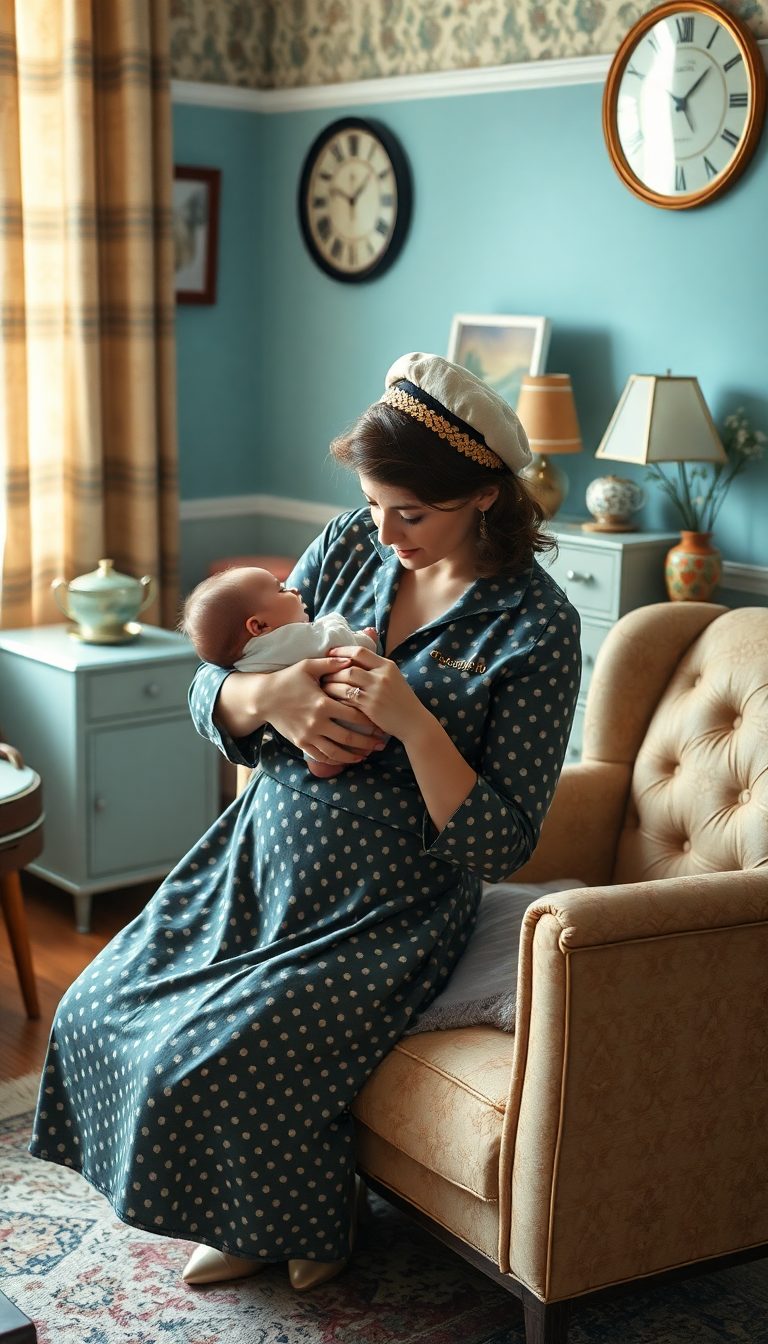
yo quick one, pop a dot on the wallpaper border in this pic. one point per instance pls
(403, 88)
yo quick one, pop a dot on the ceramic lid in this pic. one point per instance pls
(105, 579)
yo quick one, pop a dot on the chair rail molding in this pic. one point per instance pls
(402, 88)
(740, 578)
(264, 506)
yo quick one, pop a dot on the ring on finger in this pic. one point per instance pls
(353, 692)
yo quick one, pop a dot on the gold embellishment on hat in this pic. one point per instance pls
(403, 401)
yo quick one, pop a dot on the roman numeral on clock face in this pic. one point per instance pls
(382, 227)
(337, 152)
(324, 227)
(635, 143)
(337, 248)
(733, 61)
(679, 178)
(709, 168)
(738, 100)
(685, 28)
(714, 35)
(352, 143)
(730, 138)
(653, 41)
(632, 71)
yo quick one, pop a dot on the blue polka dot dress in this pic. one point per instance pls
(201, 1070)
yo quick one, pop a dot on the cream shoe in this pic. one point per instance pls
(306, 1274)
(207, 1265)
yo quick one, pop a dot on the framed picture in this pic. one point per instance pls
(500, 349)
(196, 232)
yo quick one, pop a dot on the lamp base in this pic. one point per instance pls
(547, 482)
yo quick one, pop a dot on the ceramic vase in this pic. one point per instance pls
(693, 568)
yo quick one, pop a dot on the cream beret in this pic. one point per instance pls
(460, 408)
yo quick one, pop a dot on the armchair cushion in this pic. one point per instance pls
(440, 1099)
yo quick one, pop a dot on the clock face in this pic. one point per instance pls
(354, 199)
(686, 105)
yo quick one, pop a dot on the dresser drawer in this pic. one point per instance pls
(593, 636)
(591, 578)
(129, 691)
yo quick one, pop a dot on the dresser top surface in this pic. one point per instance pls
(573, 531)
(52, 644)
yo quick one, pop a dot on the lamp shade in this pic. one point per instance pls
(661, 420)
(548, 413)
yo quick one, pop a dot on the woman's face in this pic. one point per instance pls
(420, 534)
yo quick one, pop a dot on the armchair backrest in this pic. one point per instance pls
(683, 691)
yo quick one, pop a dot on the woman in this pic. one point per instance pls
(202, 1068)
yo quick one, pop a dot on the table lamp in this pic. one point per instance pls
(661, 419)
(548, 414)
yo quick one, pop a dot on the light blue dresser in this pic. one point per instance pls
(605, 574)
(128, 784)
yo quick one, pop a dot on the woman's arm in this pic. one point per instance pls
(294, 703)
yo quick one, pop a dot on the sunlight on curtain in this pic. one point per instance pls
(87, 363)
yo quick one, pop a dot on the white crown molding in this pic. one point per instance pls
(265, 506)
(403, 88)
(745, 578)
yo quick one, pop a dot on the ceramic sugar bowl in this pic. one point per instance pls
(104, 604)
(612, 500)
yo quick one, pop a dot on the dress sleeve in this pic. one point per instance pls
(203, 694)
(496, 829)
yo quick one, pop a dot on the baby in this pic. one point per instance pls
(246, 619)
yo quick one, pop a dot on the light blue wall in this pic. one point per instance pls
(219, 346)
(517, 209)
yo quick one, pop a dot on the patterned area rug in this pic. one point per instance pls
(85, 1278)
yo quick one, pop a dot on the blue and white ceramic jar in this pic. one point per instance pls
(612, 500)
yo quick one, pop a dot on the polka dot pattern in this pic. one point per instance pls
(201, 1069)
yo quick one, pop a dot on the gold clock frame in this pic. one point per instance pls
(753, 62)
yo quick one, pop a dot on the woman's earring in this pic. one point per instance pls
(483, 526)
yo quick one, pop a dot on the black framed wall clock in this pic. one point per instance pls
(684, 104)
(355, 199)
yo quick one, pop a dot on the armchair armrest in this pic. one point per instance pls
(634, 1134)
(581, 831)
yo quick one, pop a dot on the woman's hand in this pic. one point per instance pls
(377, 687)
(294, 703)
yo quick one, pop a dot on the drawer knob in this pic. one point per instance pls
(152, 689)
(576, 577)
(99, 803)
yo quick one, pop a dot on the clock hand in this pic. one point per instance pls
(336, 191)
(695, 86)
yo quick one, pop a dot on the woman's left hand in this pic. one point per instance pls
(376, 686)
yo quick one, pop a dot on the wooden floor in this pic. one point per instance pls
(59, 954)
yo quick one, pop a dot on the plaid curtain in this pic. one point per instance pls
(87, 360)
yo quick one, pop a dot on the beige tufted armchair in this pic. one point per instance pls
(620, 1135)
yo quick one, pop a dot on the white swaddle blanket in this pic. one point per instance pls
(304, 639)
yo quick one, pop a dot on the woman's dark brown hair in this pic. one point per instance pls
(391, 448)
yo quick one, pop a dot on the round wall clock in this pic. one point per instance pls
(684, 104)
(355, 199)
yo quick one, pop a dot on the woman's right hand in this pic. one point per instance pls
(294, 703)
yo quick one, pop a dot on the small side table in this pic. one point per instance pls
(129, 783)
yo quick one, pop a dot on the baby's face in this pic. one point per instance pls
(272, 605)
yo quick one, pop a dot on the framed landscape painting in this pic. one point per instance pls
(195, 233)
(500, 349)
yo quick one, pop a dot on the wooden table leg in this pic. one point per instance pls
(545, 1323)
(16, 920)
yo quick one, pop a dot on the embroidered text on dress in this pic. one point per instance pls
(460, 663)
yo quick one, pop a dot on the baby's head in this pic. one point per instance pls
(227, 610)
